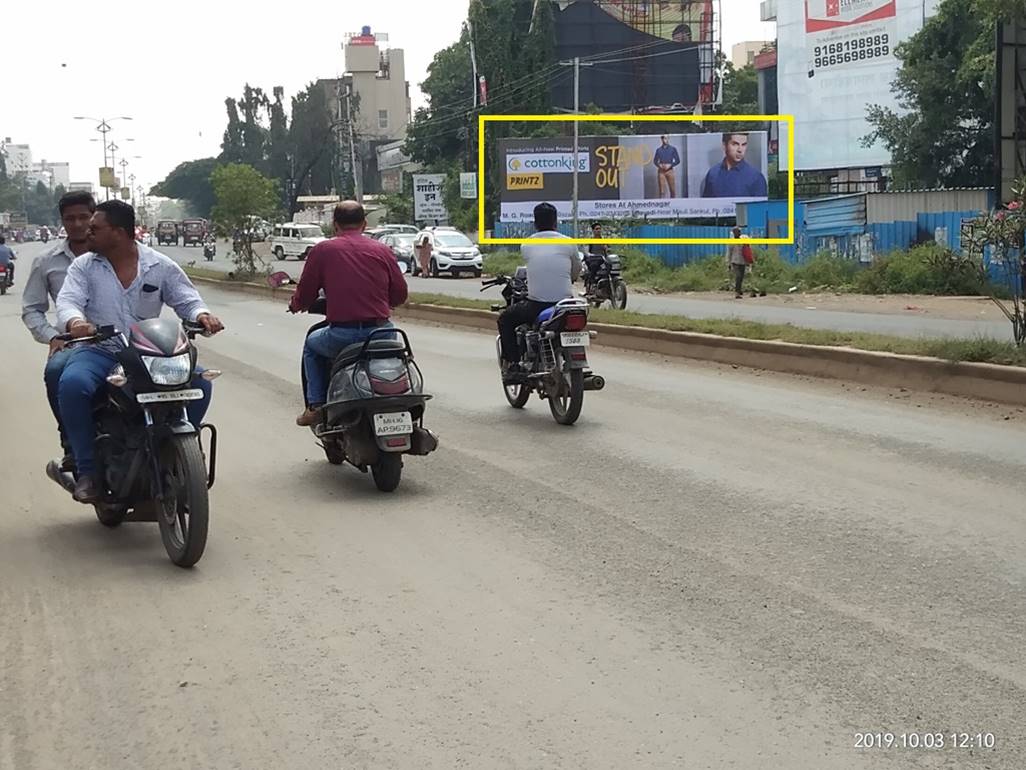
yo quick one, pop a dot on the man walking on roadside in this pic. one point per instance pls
(736, 262)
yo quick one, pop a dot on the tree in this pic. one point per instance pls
(190, 181)
(944, 135)
(310, 137)
(241, 192)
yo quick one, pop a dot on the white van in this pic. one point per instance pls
(295, 239)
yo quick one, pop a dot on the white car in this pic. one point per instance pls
(295, 239)
(452, 252)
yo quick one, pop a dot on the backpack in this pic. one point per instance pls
(748, 254)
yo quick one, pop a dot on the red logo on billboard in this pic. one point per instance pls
(833, 8)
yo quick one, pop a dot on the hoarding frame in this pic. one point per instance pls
(484, 120)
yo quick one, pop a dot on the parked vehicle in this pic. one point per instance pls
(401, 245)
(452, 252)
(167, 233)
(62, 233)
(375, 409)
(149, 457)
(295, 239)
(554, 352)
(606, 284)
(193, 232)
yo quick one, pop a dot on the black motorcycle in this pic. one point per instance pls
(604, 283)
(375, 409)
(209, 249)
(149, 456)
(553, 350)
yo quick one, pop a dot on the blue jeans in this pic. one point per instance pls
(51, 378)
(84, 374)
(319, 353)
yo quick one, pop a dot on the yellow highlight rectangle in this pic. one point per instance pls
(525, 182)
(483, 120)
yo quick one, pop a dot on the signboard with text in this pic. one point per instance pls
(428, 205)
(675, 176)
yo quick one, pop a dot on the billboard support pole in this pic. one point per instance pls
(577, 123)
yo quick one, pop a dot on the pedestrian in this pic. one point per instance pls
(739, 257)
(423, 249)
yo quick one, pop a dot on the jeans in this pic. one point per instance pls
(84, 374)
(739, 277)
(51, 378)
(525, 312)
(319, 353)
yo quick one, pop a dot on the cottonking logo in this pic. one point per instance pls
(549, 162)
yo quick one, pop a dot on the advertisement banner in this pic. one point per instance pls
(107, 178)
(835, 59)
(672, 176)
(427, 198)
(468, 184)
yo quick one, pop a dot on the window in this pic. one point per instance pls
(382, 118)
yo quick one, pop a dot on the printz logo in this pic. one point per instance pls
(525, 182)
(548, 162)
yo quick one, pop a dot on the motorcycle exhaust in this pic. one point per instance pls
(594, 382)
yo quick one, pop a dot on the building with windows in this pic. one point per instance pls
(378, 77)
(745, 53)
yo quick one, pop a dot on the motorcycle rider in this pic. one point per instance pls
(44, 284)
(361, 281)
(120, 283)
(551, 272)
(595, 259)
(7, 260)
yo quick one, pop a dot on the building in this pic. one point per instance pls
(80, 186)
(19, 158)
(392, 164)
(59, 172)
(378, 78)
(743, 54)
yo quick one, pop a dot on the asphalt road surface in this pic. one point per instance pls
(713, 569)
(879, 323)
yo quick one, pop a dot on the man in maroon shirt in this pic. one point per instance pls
(362, 283)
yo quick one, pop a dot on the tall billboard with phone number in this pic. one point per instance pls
(835, 59)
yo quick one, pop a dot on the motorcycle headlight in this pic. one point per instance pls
(176, 370)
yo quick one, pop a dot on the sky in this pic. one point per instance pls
(170, 66)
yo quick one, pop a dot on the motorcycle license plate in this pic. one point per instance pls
(574, 339)
(393, 423)
(192, 394)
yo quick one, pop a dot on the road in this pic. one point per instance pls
(713, 569)
(878, 323)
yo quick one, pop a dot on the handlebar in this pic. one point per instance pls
(102, 333)
(499, 280)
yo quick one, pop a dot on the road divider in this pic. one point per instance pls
(988, 382)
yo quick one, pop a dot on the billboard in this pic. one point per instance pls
(671, 176)
(682, 21)
(835, 59)
(648, 65)
(428, 205)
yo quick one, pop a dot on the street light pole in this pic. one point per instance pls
(104, 127)
(576, 64)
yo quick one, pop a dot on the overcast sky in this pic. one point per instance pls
(170, 66)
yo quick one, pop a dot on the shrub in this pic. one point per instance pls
(502, 262)
(925, 269)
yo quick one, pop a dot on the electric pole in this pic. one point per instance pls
(576, 63)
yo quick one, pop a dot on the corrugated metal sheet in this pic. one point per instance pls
(674, 255)
(906, 206)
(843, 215)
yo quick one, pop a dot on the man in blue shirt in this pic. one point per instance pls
(7, 260)
(666, 160)
(734, 177)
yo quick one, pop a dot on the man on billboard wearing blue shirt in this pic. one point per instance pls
(734, 177)
(666, 160)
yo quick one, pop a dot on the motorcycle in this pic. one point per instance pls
(553, 352)
(209, 250)
(149, 457)
(5, 279)
(375, 409)
(606, 284)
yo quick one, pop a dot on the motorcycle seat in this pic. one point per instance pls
(545, 315)
(376, 349)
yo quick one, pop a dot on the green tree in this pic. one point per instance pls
(190, 182)
(279, 146)
(241, 192)
(310, 137)
(945, 87)
(740, 90)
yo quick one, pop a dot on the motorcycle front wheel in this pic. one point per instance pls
(566, 406)
(619, 301)
(185, 513)
(517, 395)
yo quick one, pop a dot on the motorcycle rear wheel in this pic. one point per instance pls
(566, 407)
(185, 513)
(619, 300)
(388, 471)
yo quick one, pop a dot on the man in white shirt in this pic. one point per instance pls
(551, 271)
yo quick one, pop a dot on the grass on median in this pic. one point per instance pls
(978, 350)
